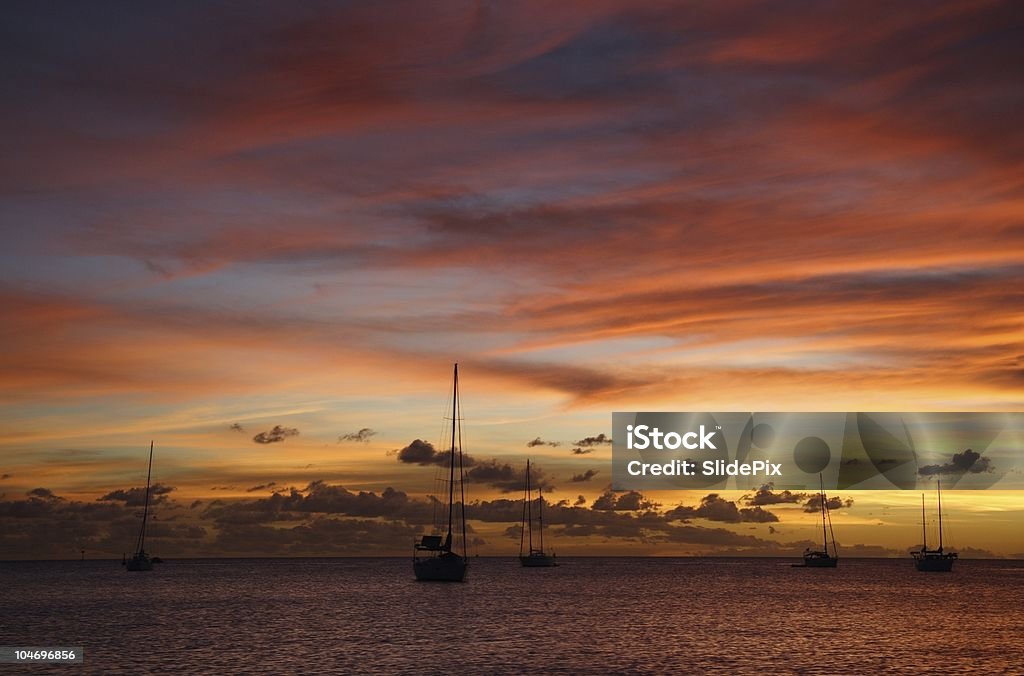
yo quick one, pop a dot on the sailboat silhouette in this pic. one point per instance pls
(822, 558)
(933, 560)
(434, 559)
(534, 557)
(140, 559)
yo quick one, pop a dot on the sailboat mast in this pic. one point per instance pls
(462, 496)
(451, 474)
(824, 533)
(529, 505)
(924, 527)
(540, 514)
(835, 547)
(145, 510)
(526, 502)
(938, 486)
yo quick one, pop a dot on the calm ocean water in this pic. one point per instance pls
(589, 615)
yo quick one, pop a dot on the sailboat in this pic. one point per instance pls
(434, 558)
(534, 558)
(822, 558)
(140, 559)
(933, 560)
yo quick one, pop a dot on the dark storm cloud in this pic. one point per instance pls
(968, 461)
(498, 475)
(275, 435)
(586, 476)
(630, 516)
(500, 510)
(360, 436)
(261, 487)
(622, 502)
(49, 526)
(582, 451)
(590, 442)
(290, 522)
(320, 497)
(713, 537)
(136, 497)
(4, 476)
(714, 507)
(757, 515)
(237, 427)
(537, 441)
(813, 503)
(55, 506)
(421, 452)
(506, 477)
(651, 528)
(765, 495)
(43, 493)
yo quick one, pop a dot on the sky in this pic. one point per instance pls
(260, 234)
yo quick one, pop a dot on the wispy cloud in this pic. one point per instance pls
(136, 497)
(275, 435)
(359, 436)
(590, 442)
(585, 476)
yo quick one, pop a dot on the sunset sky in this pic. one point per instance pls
(222, 220)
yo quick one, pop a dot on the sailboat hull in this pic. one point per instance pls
(139, 563)
(829, 562)
(538, 560)
(444, 568)
(934, 563)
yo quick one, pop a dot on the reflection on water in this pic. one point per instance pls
(589, 615)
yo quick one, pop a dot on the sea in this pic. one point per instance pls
(589, 615)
